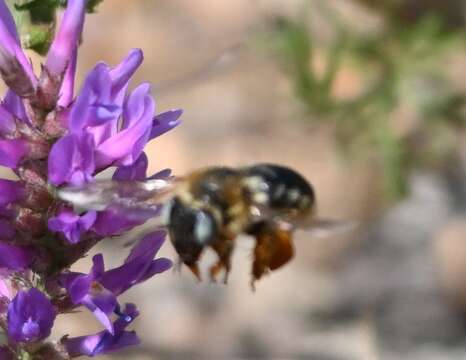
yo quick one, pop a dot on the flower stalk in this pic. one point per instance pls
(51, 137)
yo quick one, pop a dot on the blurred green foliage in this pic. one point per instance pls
(400, 65)
(36, 21)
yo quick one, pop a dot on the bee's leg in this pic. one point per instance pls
(195, 270)
(224, 249)
(273, 249)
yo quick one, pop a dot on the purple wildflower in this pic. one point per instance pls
(87, 291)
(139, 265)
(105, 342)
(98, 290)
(72, 225)
(119, 127)
(30, 316)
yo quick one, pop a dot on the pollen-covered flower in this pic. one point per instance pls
(51, 137)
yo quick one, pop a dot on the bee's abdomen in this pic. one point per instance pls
(279, 187)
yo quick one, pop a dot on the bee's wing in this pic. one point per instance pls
(314, 226)
(323, 228)
(129, 195)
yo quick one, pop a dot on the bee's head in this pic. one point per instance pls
(280, 189)
(191, 230)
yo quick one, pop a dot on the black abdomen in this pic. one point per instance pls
(283, 188)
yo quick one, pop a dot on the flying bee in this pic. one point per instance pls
(212, 206)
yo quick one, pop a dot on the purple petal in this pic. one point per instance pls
(127, 145)
(96, 89)
(71, 224)
(136, 171)
(65, 96)
(101, 302)
(71, 160)
(7, 122)
(10, 48)
(10, 191)
(15, 257)
(122, 73)
(149, 245)
(14, 104)
(98, 266)
(164, 122)
(134, 106)
(30, 316)
(7, 19)
(78, 286)
(100, 114)
(67, 38)
(115, 221)
(83, 345)
(11, 152)
(104, 342)
(162, 174)
(157, 266)
(138, 265)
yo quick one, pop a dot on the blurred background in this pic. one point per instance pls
(367, 98)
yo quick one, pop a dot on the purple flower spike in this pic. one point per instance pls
(30, 316)
(71, 224)
(104, 342)
(52, 139)
(66, 41)
(14, 257)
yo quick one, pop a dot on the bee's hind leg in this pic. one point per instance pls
(195, 270)
(224, 250)
(273, 249)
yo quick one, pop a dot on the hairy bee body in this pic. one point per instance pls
(217, 204)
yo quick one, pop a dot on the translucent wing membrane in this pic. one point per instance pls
(323, 228)
(129, 195)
